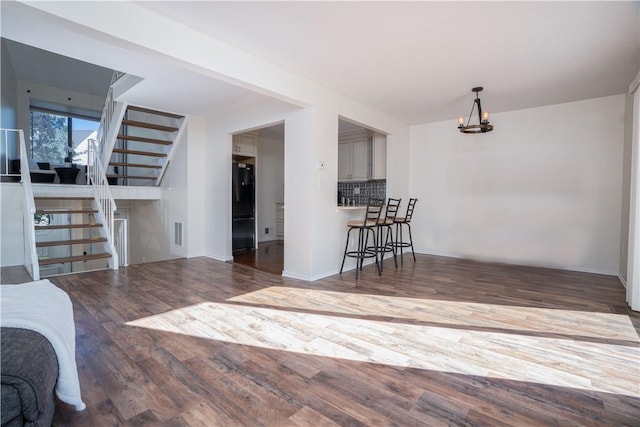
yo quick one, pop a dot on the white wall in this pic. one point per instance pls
(11, 236)
(9, 102)
(544, 188)
(626, 188)
(314, 229)
(9, 91)
(197, 168)
(269, 185)
(11, 239)
(633, 260)
(151, 223)
(210, 209)
(29, 90)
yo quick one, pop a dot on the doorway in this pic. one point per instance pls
(266, 157)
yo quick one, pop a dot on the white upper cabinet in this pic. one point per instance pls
(361, 160)
(362, 155)
(345, 161)
(379, 162)
(245, 144)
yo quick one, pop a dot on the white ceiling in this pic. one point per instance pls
(40, 66)
(418, 61)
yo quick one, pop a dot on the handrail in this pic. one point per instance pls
(103, 197)
(105, 120)
(30, 254)
(107, 114)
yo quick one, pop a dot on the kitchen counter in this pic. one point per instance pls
(351, 208)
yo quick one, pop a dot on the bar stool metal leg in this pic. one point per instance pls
(364, 229)
(385, 242)
(400, 243)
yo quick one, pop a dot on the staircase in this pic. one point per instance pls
(68, 238)
(72, 228)
(143, 147)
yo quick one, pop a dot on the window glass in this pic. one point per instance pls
(49, 137)
(57, 138)
(83, 131)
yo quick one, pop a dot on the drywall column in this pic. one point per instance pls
(215, 192)
(197, 215)
(328, 231)
(299, 197)
(633, 265)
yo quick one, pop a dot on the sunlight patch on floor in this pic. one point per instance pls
(532, 319)
(553, 361)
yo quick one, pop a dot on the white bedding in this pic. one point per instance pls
(44, 308)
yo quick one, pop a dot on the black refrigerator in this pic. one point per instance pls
(243, 206)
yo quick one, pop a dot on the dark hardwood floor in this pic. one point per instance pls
(269, 257)
(438, 342)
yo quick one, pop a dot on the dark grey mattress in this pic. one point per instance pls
(29, 375)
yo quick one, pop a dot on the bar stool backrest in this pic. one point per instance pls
(410, 207)
(374, 209)
(392, 210)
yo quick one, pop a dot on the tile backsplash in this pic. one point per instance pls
(367, 189)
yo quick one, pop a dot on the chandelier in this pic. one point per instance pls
(483, 119)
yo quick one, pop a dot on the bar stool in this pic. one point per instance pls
(399, 222)
(364, 228)
(384, 232)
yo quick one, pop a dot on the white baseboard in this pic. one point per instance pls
(622, 280)
(222, 258)
(346, 269)
(524, 263)
(304, 277)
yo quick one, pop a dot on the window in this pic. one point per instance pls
(42, 219)
(59, 137)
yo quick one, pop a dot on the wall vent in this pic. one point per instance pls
(177, 234)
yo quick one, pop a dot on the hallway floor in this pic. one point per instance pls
(269, 257)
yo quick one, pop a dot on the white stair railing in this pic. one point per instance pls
(104, 200)
(30, 254)
(10, 149)
(112, 113)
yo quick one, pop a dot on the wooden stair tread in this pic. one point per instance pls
(63, 226)
(70, 242)
(62, 260)
(146, 125)
(132, 176)
(141, 153)
(61, 198)
(144, 139)
(65, 211)
(156, 112)
(134, 165)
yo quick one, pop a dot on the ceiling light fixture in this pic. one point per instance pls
(483, 125)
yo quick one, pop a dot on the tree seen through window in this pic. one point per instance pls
(57, 138)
